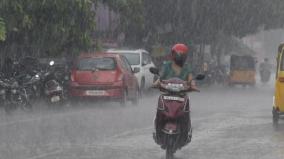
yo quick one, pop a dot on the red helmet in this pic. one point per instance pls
(180, 49)
(179, 53)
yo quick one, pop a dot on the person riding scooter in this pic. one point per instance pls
(176, 68)
(265, 70)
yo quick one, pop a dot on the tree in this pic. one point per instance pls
(168, 21)
(2, 30)
(132, 19)
(47, 27)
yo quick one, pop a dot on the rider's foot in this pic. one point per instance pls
(189, 136)
(155, 137)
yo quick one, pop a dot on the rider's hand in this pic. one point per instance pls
(193, 87)
(156, 83)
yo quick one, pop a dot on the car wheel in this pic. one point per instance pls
(123, 100)
(142, 87)
(135, 101)
(275, 118)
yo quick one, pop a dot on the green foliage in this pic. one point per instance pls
(48, 27)
(2, 30)
(168, 21)
(132, 17)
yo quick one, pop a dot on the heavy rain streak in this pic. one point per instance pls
(141, 79)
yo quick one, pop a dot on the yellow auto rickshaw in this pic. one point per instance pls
(278, 99)
(242, 70)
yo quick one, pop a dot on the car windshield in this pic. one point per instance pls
(105, 63)
(133, 59)
(242, 62)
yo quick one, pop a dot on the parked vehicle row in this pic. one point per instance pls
(116, 75)
(14, 95)
(27, 82)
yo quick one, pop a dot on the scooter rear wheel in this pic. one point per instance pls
(169, 153)
(169, 149)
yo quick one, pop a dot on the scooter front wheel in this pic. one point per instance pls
(169, 153)
(170, 148)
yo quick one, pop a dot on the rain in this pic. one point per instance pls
(141, 79)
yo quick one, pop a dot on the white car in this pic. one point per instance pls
(139, 59)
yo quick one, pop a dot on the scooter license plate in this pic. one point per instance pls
(95, 93)
(55, 99)
(174, 98)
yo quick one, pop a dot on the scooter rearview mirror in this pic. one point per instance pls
(154, 70)
(200, 77)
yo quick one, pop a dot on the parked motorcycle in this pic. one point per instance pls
(15, 96)
(172, 122)
(55, 80)
(32, 83)
(3, 87)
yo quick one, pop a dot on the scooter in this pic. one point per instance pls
(53, 89)
(172, 122)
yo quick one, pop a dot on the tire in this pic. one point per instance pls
(169, 149)
(142, 87)
(27, 107)
(25, 102)
(169, 154)
(123, 100)
(275, 118)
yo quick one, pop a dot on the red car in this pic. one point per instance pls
(104, 76)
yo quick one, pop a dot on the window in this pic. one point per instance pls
(146, 59)
(242, 62)
(134, 59)
(105, 63)
(126, 64)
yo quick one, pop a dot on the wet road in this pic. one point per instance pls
(227, 123)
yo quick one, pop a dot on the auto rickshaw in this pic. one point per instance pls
(278, 99)
(242, 70)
